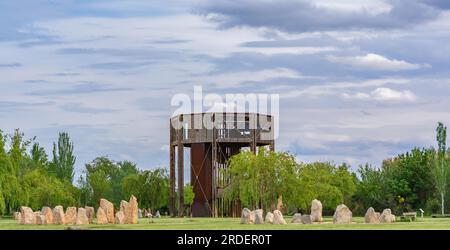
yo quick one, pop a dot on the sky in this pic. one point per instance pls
(359, 81)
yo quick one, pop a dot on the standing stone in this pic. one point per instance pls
(258, 219)
(316, 211)
(278, 218)
(342, 215)
(269, 217)
(58, 215)
(17, 216)
(140, 213)
(306, 219)
(27, 216)
(133, 210)
(90, 211)
(71, 215)
(48, 213)
(387, 216)
(297, 218)
(157, 214)
(40, 219)
(82, 218)
(123, 206)
(371, 216)
(120, 217)
(108, 207)
(125, 209)
(246, 216)
(101, 216)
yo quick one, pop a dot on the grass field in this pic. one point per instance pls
(233, 224)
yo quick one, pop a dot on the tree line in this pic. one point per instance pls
(28, 177)
(412, 180)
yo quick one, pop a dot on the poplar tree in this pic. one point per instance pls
(63, 158)
(440, 170)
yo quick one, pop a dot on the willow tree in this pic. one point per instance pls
(259, 180)
(440, 170)
(11, 192)
(4, 164)
(155, 189)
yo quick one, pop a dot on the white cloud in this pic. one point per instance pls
(387, 94)
(336, 87)
(359, 95)
(375, 62)
(372, 7)
(383, 94)
(299, 50)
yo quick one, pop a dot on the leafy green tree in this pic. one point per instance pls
(47, 190)
(63, 158)
(440, 170)
(12, 193)
(256, 180)
(120, 171)
(408, 180)
(133, 184)
(5, 167)
(241, 186)
(403, 183)
(100, 185)
(104, 179)
(151, 187)
(287, 180)
(39, 156)
(345, 181)
(98, 180)
(2, 202)
(324, 181)
(188, 196)
(369, 191)
(11, 169)
(17, 152)
(85, 191)
(155, 190)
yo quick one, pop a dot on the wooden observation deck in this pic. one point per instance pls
(212, 138)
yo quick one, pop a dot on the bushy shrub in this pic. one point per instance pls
(433, 206)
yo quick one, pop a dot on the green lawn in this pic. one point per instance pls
(233, 224)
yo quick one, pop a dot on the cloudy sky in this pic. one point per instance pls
(359, 81)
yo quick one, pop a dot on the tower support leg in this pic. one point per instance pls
(180, 180)
(172, 182)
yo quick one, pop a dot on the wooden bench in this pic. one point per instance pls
(409, 216)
